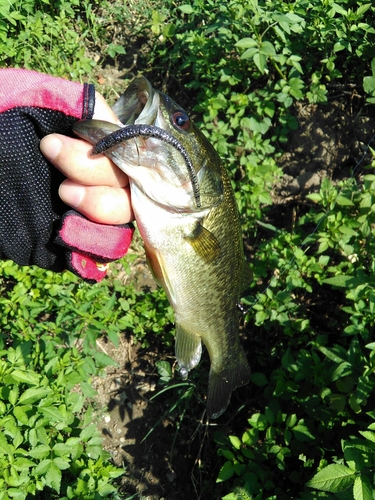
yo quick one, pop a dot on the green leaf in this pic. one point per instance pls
(43, 467)
(186, 9)
(52, 413)
(164, 370)
(9, 424)
(106, 489)
(103, 360)
(20, 413)
(291, 420)
(250, 437)
(235, 441)
(61, 463)
(226, 472)
(345, 384)
(27, 377)
(354, 457)
(18, 439)
(267, 49)
(23, 463)
(259, 379)
(88, 390)
(362, 9)
(65, 448)
(246, 43)
(339, 281)
(250, 53)
(347, 230)
(369, 81)
(337, 402)
(232, 496)
(335, 354)
(229, 455)
(315, 197)
(344, 201)
(333, 478)
(34, 394)
(302, 433)
(354, 404)
(362, 489)
(14, 494)
(368, 435)
(13, 395)
(53, 477)
(88, 432)
(343, 370)
(258, 421)
(5, 447)
(40, 451)
(260, 61)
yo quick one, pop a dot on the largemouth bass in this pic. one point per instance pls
(186, 213)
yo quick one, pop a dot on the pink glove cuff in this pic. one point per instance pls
(92, 245)
(21, 87)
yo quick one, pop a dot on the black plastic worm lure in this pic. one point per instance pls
(146, 131)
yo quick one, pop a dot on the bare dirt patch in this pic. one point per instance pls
(329, 142)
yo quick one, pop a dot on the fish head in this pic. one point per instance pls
(156, 167)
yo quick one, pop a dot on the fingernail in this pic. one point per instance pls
(51, 146)
(71, 194)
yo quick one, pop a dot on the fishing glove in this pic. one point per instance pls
(36, 227)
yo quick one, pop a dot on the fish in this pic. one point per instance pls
(187, 216)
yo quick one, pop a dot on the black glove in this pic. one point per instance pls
(33, 105)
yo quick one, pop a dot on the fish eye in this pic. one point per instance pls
(181, 120)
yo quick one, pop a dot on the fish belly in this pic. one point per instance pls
(204, 297)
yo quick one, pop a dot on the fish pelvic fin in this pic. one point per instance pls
(188, 350)
(223, 382)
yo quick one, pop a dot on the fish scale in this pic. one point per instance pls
(194, 250)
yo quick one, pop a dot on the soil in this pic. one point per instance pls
(164, 456)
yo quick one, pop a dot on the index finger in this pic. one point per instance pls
(73, 158)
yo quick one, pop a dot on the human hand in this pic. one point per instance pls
(35, 228)
(95, 187)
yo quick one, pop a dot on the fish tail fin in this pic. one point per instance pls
(223, 382)
(188, 350)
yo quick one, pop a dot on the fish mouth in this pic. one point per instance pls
(147, 131)
(138, 109)
(139, 101)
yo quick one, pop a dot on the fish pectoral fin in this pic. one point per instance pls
(188, 350)
(222, 382)
(204, 243)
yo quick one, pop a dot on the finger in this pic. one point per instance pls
(73, 158)
(102, 111)
(103, 204)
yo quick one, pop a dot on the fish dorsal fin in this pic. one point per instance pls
(204, 243)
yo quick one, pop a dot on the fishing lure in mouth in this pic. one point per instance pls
(147, 131)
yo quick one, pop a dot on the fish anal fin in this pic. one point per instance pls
(188, 350)
(204, 243)
(223, 382)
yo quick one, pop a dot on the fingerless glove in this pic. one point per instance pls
(36, 227)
